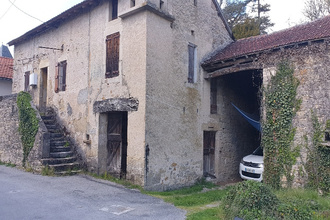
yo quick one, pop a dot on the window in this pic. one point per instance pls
(60, 76)
(192, 61)
(113, 10)
(195, 2)
(26, 81)
(213, 96)
(112, 56)
(161, 3)
(132, 3)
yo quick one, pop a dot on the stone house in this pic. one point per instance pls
(6, 70)
(144, 88)
(125, 81)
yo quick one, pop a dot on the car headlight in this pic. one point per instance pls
(260, 165)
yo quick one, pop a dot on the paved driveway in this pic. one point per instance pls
(28, 196)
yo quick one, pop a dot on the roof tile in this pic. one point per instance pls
(318, 29)
(6, 67)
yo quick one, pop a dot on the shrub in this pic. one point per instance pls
(250, 200)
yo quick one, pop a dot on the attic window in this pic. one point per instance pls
(132, 3)
(195, 2)
(161, 3)
(113, 10)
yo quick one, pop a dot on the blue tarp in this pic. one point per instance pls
(250, 118)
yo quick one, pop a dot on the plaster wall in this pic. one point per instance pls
(83, 39)
(175, 114)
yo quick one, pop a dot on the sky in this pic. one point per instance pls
(14, 22)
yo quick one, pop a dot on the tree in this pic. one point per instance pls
(315, 9)
(244, 24)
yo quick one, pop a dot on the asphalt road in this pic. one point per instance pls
(28, 196)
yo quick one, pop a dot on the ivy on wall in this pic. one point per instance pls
(318, 160)
(28, 123)
(278, 133)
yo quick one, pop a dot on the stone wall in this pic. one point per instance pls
(11, 148)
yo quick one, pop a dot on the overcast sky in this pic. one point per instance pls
(14, 23)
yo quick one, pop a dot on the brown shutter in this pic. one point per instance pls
(64, 76)
(26, 81)
(214, 108)
(112, 62)
(56, 78)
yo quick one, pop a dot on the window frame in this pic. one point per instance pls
(27, 81)
(113, 10)
(192, 58)
(60, 76)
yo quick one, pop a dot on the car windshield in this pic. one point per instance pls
(259, 152)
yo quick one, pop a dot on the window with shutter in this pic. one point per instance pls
(112, 56)
(191, 65)
(60, 76)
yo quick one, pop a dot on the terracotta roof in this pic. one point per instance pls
(319, 29)
(6, 67)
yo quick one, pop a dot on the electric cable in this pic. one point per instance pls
(7, 10)
(25, 12)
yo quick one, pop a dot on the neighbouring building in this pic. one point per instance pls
(145, 87)
(6, 70)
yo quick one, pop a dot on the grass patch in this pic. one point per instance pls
(207, 214)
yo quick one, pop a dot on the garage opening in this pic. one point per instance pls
(237, 138)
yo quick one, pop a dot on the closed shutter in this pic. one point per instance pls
(26, 81)
(112, 62)
(56, 79)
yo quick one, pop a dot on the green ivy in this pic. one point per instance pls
(318, 161)
(278, 133)
(28, 123)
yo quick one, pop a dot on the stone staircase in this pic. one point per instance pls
(62, 159)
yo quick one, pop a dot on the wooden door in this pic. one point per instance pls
(117, 143)
(208, 153)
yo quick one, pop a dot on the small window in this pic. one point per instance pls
(195, 2)
(132, 3)
(192, 63)
(112, 56)
(113, 10)
(161, 3)
(60, 76)
(26, 81)
(213, 96)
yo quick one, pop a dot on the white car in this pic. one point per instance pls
(251, 166)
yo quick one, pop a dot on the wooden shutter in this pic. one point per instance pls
(56, 78)
(191, 65)
(112, 62)
(26, 81)
(63, 83)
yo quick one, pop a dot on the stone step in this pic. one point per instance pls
(58, 142)
(49, 121)
(56, 135)
(54, 130)
(60, 149)
(51, 126)
(61, 154)
(53, 161)
(47, 117)
(68, 172)
(65, 167)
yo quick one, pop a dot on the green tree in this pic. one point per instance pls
(246, 24)
(315, 9)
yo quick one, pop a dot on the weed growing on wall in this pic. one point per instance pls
(28, 123)
(278, 133)
(318, 161)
